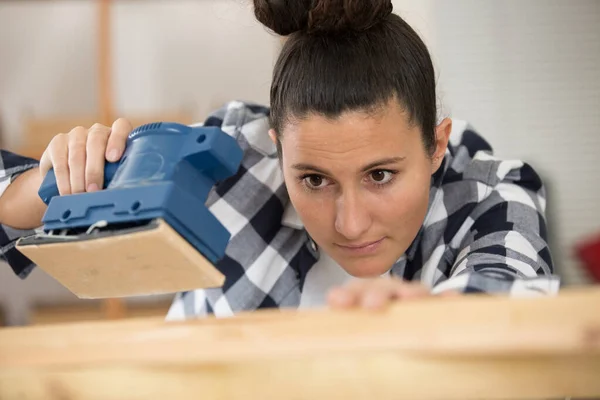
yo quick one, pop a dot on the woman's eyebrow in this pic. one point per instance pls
(374, 164)
(383, 161)
(308, 167)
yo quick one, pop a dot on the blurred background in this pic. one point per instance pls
(526, 74)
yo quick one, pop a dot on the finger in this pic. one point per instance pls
(349, 295)
(378, 295)
(45, 162)
(97, 140)
(341, 298)
(59, 152)
(118, 137)
(406, 290)
(77, 156)
(375, 294)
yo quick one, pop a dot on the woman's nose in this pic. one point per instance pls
(352, 218)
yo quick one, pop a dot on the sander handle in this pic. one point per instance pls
(49, 189)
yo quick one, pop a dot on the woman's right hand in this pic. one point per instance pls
(78, 157)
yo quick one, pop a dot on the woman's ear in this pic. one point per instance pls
(273, 136)
(442, 135)
(275, 140)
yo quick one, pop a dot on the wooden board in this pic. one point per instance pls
(38, 132)
(155, 261)
(471, 347)
(92, 310)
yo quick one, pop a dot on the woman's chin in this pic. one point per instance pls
(365, 268)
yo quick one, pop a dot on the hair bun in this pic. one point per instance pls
(283, 16)
(321, 16)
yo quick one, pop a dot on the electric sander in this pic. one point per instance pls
(148, 231)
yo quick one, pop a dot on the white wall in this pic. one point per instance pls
(47, 58)
(196, 54)
(525, 73)
(168, 55)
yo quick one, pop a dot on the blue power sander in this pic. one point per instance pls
(148, 231)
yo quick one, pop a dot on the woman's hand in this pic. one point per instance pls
(377, 293)
(78, 157)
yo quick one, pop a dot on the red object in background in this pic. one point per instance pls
(589, 253)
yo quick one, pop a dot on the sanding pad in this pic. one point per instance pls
(146, 260)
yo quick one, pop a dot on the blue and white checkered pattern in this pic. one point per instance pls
(485, 229)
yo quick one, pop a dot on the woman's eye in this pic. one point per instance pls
(381, 177)
(315, 181)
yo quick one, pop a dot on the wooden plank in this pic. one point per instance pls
(91, 310)
(105, 82)
(471, 347)
(38, 132)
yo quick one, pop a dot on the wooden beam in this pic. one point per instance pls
(91, 310)
(471, 347)
(105, 82)
(38, 132)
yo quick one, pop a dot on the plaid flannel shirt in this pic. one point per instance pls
(484, 231)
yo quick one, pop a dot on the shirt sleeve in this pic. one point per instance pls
(504, 248)
(11, 166)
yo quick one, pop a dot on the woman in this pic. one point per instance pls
(350, 192)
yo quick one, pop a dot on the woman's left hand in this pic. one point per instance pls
(376, 293)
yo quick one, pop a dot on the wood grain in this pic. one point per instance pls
(453, 348)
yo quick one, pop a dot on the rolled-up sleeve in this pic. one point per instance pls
(11, 166)
(505, 249)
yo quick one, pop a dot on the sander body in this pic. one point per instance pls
(148, 231)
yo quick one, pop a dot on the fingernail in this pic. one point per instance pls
(113, 155)
(92, 187)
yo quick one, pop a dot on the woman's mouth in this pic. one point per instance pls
(363, 248)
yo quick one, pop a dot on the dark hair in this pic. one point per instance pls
(347, 55)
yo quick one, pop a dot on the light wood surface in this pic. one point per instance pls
(38, 132)
(93, 310)
(153, 261)
(471, 347)
(105, 81)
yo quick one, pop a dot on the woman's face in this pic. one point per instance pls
(360, 184)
